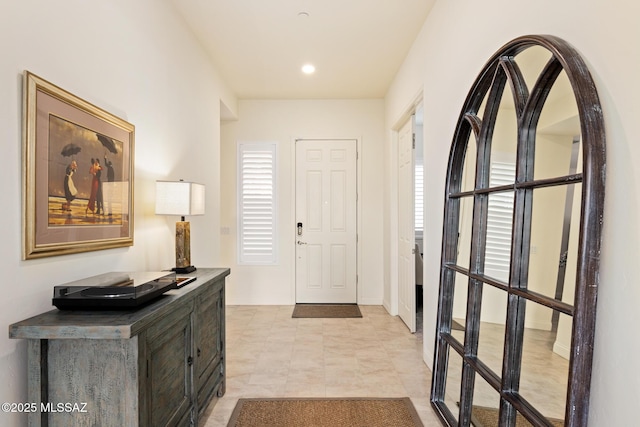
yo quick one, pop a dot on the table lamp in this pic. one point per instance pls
(180, 198)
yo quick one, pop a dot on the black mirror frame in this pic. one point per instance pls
(500, 70)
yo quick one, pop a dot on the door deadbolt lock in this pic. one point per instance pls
(299, 229)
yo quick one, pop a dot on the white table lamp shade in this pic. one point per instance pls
(179, 198)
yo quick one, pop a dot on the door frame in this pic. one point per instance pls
(292, 226)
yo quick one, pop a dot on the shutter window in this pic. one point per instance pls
(499, 220)
(257, 203)
(419, 197)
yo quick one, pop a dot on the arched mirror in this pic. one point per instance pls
(521, 245)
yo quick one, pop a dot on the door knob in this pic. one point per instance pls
(301, 243)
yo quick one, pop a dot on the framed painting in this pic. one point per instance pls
(77, 174)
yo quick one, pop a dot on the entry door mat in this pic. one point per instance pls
(482, 416)
(326, 310)
(320, 412)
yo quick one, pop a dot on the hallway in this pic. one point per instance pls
(269, 354)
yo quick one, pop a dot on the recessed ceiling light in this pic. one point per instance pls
(308, 68)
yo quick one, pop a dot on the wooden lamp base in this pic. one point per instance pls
(183, 248)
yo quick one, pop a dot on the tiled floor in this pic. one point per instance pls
(269, 354)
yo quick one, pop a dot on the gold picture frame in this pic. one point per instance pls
(77, 174)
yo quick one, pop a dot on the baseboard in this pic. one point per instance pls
(561, 350)
(370, 301)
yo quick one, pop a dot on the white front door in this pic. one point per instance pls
(326, 199)
(406, 228)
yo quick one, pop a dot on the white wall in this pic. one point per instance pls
(283, 121)
(456, 41)
(136, 60)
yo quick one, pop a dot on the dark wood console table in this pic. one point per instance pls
(160, 365)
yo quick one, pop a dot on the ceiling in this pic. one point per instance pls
(259, 46)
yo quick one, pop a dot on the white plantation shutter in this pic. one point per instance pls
(257, 203)
(419, 197)
(499, 219)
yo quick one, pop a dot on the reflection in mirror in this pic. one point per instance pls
(531, 62)
(504, 143)
(558, 133)
(464, 237)
(452, 388)
(555, 221)
(499, 230)
(459, 307)
(545, 361)
(469, 168)
(493, 314)
(486, 404)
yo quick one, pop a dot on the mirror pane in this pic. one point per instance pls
(459, 307)
(493, 314)
(499, 230)
(558, 142)
(531, 62)
(547, 351)
(464, 231)
(469, 168)
(486, 404)
(453, 381)
(555, 222)
(504, 142)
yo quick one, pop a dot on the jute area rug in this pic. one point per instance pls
(326, 310)
(488, 417)
(321, 412)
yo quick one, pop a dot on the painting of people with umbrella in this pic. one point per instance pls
(77, 159)
(78, 173)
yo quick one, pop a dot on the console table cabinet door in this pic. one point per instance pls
(208, 341)
(168, 376)
(101, 373)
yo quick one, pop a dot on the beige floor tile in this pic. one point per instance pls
(271, 354)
